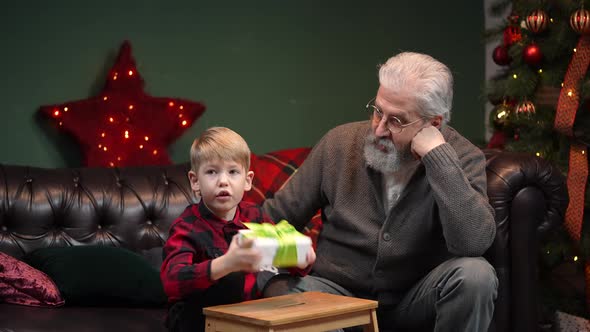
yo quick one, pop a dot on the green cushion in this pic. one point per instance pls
(100, 276)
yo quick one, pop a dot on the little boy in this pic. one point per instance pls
(203, 263)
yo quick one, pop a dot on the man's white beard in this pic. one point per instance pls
(385, 162)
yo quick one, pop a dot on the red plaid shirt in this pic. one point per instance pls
(195, 239)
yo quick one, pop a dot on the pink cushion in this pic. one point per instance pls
(22, 284)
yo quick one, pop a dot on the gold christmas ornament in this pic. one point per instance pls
(580, 21)
(525, 108)
(537, 21)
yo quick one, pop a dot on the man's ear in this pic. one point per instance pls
(436, 121)
(249, 179)
(194, 181)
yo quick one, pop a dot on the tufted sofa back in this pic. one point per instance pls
(128, 207)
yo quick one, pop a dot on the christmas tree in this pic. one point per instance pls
(541, 98)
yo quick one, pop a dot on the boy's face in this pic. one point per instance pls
(221, 184)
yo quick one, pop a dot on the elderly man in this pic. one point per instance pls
(405, 212)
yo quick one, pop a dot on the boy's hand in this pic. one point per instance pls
(309, 259)
(242, 257)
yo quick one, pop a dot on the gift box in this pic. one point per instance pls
(281, 245)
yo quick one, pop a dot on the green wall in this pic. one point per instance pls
(279, 72)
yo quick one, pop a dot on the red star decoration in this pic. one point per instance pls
(124, 126)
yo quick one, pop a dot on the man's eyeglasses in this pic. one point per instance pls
(393, 124)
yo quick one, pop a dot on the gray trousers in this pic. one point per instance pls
(458, 295)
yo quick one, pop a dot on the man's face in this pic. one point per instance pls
(386, 151)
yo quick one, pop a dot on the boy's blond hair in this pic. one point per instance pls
(219, 143)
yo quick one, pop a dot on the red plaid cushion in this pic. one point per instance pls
(271, 172)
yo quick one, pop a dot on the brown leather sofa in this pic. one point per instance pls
(133, 208)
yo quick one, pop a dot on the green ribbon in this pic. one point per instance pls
(285, 234)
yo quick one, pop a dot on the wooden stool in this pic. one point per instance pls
(310, 311)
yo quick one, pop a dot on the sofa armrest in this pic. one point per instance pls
(529, 198)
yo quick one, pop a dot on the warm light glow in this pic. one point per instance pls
(130, 107)
(141, 146)
(115, 77)
(575, 258)
(171, 104)
(126, 133)
(184, 122)
(551, 20)
(146, 138)
(100, 146)
(111, 119)
(155, 152)
(575, 50)
(118, 158)
(56, 113)
(562, 84)
(65, 109)
(105, 148)
(180, 115)
(105, 98)
(181, 107)
(538, 154)
(501, 114)
(131, 73)
(583, 151)
(112, 164)
(570, 93)
(540, 71)
(515, 76)
(103, 135)
(61, 123)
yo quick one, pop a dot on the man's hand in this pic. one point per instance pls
(425, 140)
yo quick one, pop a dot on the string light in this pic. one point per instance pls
(146, 138)
(111, 119)
(155, 152)
(65, 109)
(501, 114)
(56, 113)
(540, 71)
(575, 50)
(130, 107)
(575, 258)
(538, 154)
(126, 134)
(105, 98)
(570, 93)
(184, 122)
(514, 76)
(171, 104)
(131, 73)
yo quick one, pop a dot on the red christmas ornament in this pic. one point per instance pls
(497, 141)
(124, 126)
(580, 21)
(532, 55)
(537, 21)
(512, 34)
(501, 56)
